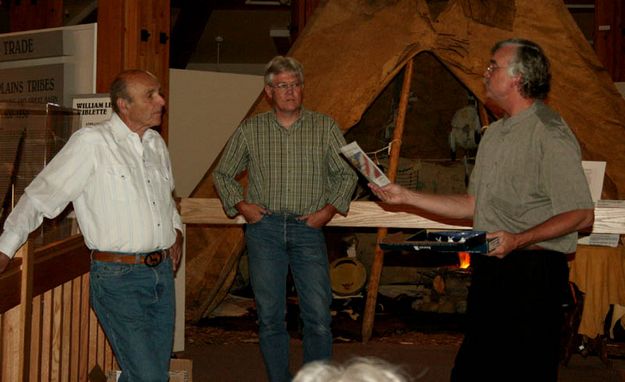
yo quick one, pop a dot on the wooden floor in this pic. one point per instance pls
(242, 362)
(225, 348)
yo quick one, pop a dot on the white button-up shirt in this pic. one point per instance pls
(121, 187)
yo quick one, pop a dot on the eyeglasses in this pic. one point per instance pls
(283, 86)
(493, 67)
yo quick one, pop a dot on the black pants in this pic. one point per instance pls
(514, 318)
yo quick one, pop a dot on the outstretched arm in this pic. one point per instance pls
(457, 206)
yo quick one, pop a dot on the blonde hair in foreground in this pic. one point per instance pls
(357, 370)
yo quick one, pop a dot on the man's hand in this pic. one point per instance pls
(391, 193)
(175, 251)
(251, 212)
(507, 243)
(319, 218)
(4, 261)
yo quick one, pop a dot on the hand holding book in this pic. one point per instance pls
(359, 159)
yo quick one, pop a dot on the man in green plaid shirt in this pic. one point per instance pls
(297, 182)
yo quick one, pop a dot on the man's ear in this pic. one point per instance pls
(268, 93)
(122, 105)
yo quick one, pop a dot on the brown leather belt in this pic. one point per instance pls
(151, 259)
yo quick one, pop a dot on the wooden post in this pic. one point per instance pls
(376, 267)
(608, 38)
(26, 311)
(28, 15)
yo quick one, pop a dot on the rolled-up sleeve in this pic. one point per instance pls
(233, 161)
(341, 177)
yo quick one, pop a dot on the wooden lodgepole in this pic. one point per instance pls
(376, 267)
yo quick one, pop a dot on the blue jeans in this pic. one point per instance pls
(273, 244)
(135, 306)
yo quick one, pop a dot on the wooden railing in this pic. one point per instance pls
(48, 331)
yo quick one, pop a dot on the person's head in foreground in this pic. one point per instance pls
(357, 370)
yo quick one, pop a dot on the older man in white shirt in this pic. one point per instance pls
(118, 176)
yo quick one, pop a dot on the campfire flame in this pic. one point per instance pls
(465, 260)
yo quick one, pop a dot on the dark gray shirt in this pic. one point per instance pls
(528, 169)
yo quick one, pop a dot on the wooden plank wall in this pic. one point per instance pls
(133, 34)
(64, 340)
(29, 15)
(609, 40)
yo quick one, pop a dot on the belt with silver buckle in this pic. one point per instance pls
(151, 259)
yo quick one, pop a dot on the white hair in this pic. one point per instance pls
(360, 369)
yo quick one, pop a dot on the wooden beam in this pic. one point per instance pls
(29, 15)
(608, 36)
(361, 214)
(609, 216)
(378, 261)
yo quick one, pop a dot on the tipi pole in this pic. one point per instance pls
(376, 267)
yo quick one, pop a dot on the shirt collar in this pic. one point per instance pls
(121, 131)
(514, 120)
(302, 116)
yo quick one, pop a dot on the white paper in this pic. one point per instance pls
(601, 239)
(594, 171)
(94, 108)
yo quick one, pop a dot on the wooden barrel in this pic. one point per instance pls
(348, 276)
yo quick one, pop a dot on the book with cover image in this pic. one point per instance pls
(441, 241)
(359, 159)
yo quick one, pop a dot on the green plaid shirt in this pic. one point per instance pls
(297, 170)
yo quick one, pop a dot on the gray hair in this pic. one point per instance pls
(281, 64)
(360, 369)
(531, 63)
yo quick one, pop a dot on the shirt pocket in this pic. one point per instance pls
(120, 183)
(159, 179)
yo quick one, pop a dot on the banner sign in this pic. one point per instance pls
(29, 46)
(35, 84)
